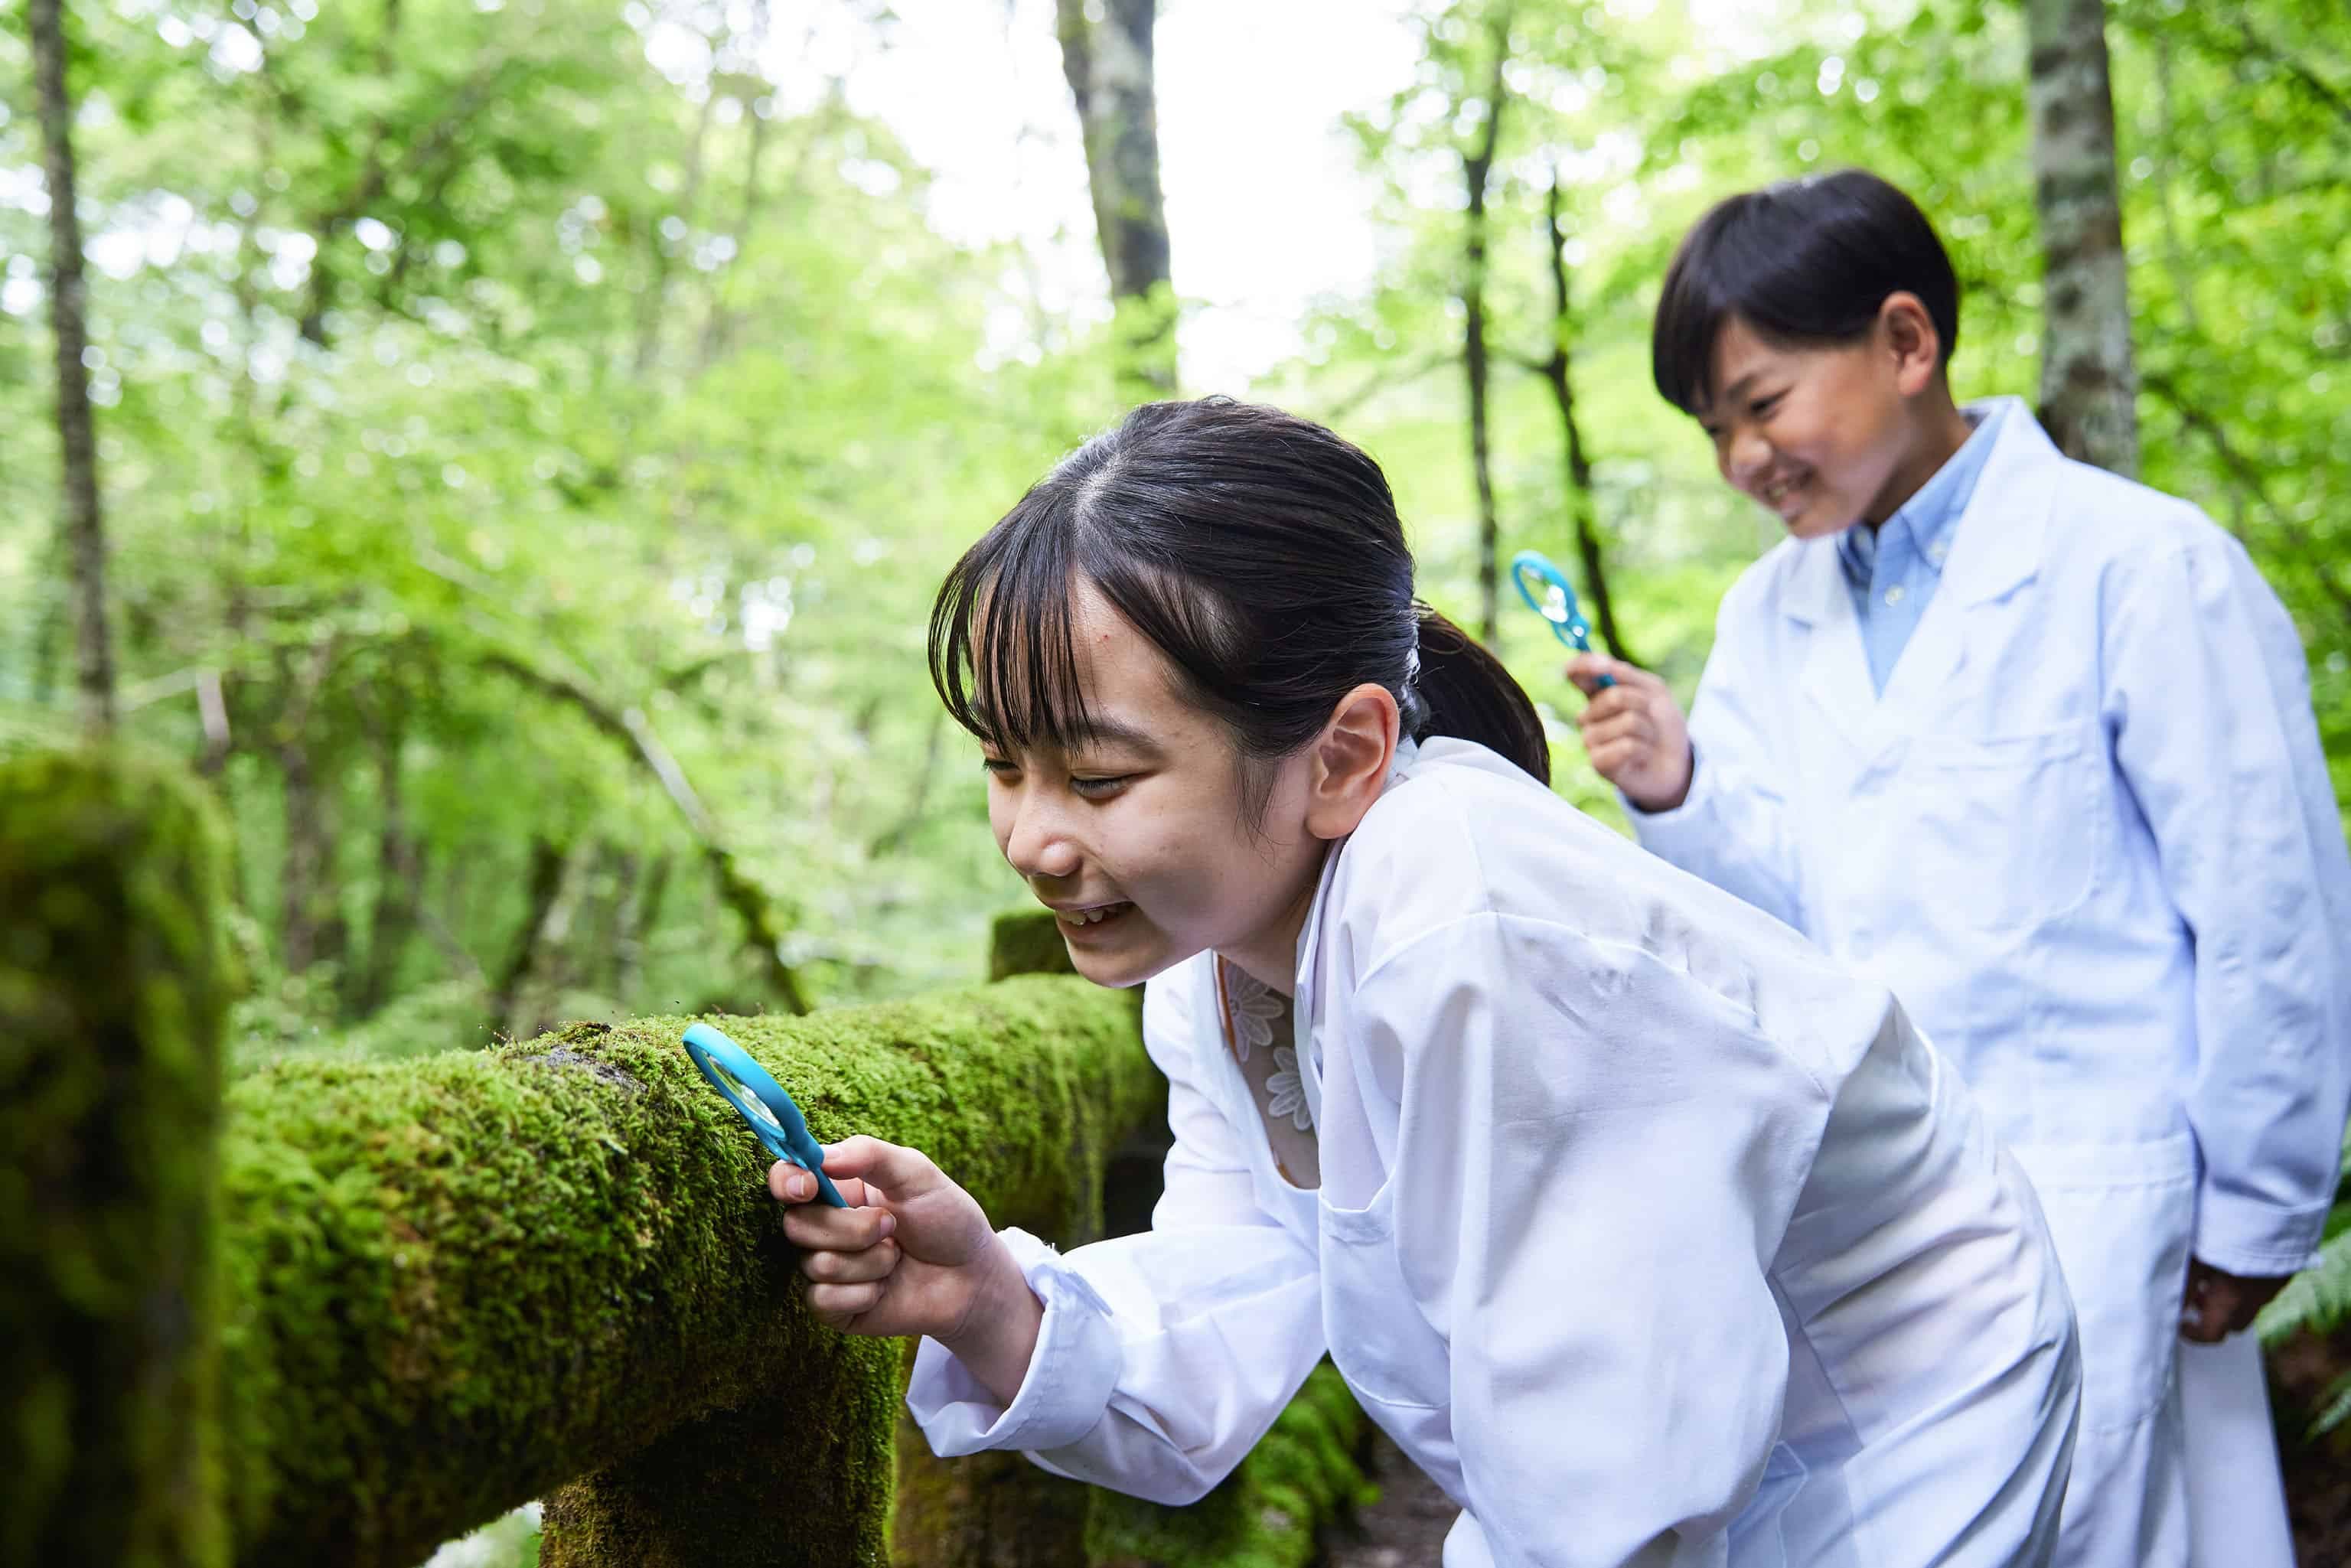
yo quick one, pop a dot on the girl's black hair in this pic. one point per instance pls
(1807, 261)
(1259, 552)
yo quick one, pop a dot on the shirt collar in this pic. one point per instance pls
(1931, 514)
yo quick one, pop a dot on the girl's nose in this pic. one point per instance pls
(1039, 846)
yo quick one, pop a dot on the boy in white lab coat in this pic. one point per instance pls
(2035, 743)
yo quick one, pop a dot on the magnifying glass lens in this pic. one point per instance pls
(1555, 605)
(750, 1101)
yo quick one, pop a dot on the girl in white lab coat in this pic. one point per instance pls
(1652, 1234)
(2035, 745)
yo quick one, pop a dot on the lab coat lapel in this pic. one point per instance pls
(1995, 548)
(1834, 680)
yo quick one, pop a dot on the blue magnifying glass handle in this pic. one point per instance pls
(768, 1111)
(1549, 594)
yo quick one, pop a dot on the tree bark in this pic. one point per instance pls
(2088, 387)
(548, 860)
(1556, 371)
(85, 523)
(1108, 64)
(1476, 165)
(399, 872)
(305, 929)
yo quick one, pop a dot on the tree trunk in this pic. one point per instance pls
(2088, 388)
(1108, 64)
(305, 930)
(1477, 165)
(85, 526)
(1556, 371)
(548, 860)
(399, 876)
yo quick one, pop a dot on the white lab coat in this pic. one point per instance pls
(2086, 835)
(1651, 1234)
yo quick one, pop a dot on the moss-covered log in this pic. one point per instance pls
(114, 980)
(462, 1280)
(1027, 942)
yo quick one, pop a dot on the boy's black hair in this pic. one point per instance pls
(1806, 261)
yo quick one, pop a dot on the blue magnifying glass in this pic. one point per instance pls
(762, 1103)
(1548, 593)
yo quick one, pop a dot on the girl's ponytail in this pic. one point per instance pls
(1463, 691)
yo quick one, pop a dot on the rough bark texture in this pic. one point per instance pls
(1476, 165)
(1108, 64)
(2088, 388)
(1557, 373)
(84, 527)
(114, 977)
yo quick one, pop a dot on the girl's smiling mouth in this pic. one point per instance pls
(1085, 916)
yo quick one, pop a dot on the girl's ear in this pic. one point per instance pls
(1910, 337)
(1349, 762)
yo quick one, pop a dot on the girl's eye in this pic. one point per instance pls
(1762, 406)
(998, 767)
(1099, 789)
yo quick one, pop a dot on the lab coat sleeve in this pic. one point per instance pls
(1164, 1357)
(1733, 828)
(2207, 699)
(1598, 1157)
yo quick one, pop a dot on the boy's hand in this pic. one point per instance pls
(1634, 732)
(911, 1256)
(2217, 1304)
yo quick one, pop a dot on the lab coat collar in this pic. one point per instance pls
(1310, 934)
(1994, 544)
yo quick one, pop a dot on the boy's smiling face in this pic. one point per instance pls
(1827, 435)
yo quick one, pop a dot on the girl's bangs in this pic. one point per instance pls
(1002, 653)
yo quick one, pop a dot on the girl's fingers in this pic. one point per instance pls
(813, 1226)
(790, 1183)
(836, 1305)
(874, 1262)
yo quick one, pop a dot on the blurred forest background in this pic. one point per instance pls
(525, 434)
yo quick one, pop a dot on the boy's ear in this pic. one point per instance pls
(1909, 335)
(1350, 761)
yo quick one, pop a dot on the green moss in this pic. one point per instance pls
(463, 1280)
(1027, 942)
(1302, 1475)
(114, 978)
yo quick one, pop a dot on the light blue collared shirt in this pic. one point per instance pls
(1893, 569)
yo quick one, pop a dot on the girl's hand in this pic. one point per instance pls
(901, 1258)
(1634, 732)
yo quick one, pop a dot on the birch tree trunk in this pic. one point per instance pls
(1108, 64)
(2088, 387)
(85, 527)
